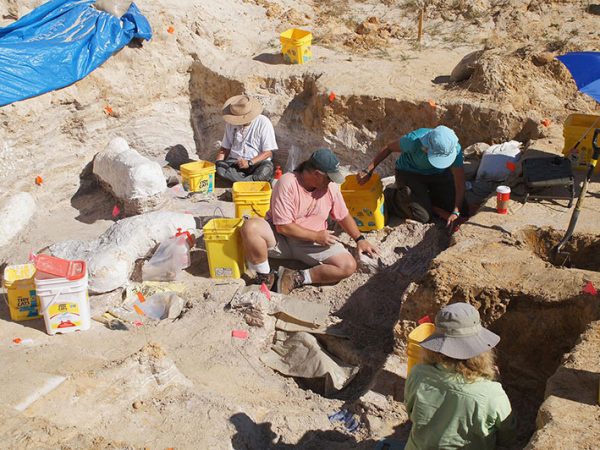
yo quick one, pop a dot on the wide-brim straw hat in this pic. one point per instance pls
(241, 109)
(459, 334)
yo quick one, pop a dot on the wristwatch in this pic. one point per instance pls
(250, 163)
(359, 238)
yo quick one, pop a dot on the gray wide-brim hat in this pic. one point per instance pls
(241, 109)
(459, 334)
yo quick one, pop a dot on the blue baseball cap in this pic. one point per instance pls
(442, 146)
(327, 162)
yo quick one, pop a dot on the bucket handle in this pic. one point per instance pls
(220, 210)
(256, 211)
(52, 301)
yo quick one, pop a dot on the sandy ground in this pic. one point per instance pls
(187, 383)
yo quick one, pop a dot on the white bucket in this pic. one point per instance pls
(64, 304)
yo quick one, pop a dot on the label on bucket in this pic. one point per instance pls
(27, 305)
(64, 315)
(223, 271)
(204, 185)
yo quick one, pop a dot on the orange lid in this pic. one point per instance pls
(64, 268)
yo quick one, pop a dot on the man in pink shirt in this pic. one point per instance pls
(296, 228)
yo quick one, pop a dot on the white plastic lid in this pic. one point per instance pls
(503, 190)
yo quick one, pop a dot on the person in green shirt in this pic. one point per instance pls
(430, 175)
(453, 399)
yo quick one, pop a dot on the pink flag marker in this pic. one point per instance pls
(589, 289)
(266, 291)
(240, 334)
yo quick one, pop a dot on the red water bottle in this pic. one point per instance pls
(277, 176)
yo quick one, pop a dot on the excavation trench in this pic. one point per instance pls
(534, 337)
(355, 126)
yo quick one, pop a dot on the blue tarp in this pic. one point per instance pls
(59, 43)
(585, 69)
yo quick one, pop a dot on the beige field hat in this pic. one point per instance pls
(459, 334)
(241, 109)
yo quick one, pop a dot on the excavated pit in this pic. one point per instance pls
(538, 320)
(535, 334)
(582, 251)
(534, 338)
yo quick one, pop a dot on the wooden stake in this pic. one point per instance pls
(420, 25)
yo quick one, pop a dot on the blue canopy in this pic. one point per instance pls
(585, 69)
(59, 43)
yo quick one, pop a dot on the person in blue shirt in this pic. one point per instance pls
(430, 177)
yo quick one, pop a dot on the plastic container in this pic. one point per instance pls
(64, 303)
(366, 202)
(575, 127)
(296, 46)
(414, 351)
(169, 259)
(23, 302)
(502, 199)
(198, 176)
(251, 198)
(224, 248)
(155, 307)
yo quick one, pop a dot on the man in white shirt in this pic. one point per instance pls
(248, 143)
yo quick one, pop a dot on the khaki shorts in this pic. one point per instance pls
(308, 252)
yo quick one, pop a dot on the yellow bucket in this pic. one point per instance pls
(251, 198)
(574, 129)
(23, 302)
(224, 248)
(198, 176)
(296, 46)
(414, 351)
(365, 202)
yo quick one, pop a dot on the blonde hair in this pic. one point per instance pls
(480, 366)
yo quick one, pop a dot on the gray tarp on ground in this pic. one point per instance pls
(300, 355)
